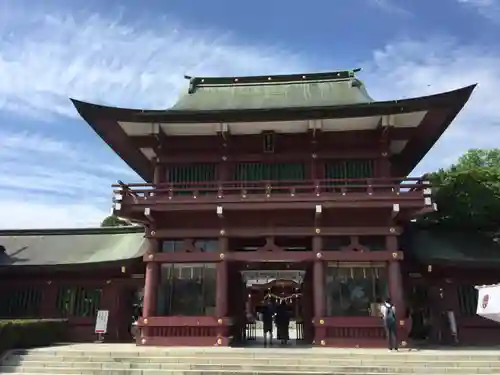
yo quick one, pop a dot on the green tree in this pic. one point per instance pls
(114, 221)
(468, 193)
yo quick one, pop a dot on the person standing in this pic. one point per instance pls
(282, 323)
(267, 322)
(388, 312)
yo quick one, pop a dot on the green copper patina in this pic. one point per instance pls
(277, 91)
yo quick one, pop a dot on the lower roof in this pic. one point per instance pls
(461, 248)
(51, 247)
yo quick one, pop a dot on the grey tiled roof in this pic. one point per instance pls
(319, 89)
(70, 246)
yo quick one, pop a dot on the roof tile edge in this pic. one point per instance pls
(195, 82)
(72, 231)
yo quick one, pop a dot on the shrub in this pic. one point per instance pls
(29, 333)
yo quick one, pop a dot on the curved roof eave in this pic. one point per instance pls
(104, 120)
(446, 99)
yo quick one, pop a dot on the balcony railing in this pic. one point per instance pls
(218, 190)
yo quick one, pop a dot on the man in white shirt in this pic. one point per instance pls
(388, 312)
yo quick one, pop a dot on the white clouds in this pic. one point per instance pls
(98, 59)
(44, 59)
(390, 6)
(414, 68)
(489, 9)
(46, 182)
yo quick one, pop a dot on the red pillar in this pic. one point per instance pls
(319, 302)
(221, 294)
(48, 308)
(396, 290)
(151, 283)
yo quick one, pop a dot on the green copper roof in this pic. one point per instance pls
(70, 246)
(278, 91)
(452, 247)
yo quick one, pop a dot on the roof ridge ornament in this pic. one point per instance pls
(194, 82)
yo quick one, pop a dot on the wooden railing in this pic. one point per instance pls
(298, 188)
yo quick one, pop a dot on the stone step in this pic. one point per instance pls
(390, 362)
(266, 354)
(99, 368)
(222, 372)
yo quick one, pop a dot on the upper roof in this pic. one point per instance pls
(280, 91)
(70, 246)
(329, 102)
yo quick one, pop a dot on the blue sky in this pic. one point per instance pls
(55, 172)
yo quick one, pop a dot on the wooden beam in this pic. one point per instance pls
(204, 156)
(148, 214)
(150, 141)
(265, 232)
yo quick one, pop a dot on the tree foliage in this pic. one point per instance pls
(468, 193)
(114, 221)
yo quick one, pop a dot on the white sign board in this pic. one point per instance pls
(488, 302)
(101, 322)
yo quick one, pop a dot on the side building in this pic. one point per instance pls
(71, 274)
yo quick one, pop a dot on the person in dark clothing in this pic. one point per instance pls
(388, 312)
(267, 322)
(282, 323)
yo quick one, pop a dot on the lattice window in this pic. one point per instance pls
(190, 177)
(78, 301)
(348, 169)
(20, 302)
(187, 289)
(272, 172)
(355, 289)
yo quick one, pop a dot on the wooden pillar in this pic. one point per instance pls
(221, 294)
(396, 291)
(48, 306)
(111, 302)
(151, 282)
(319, 293)
(158, 173)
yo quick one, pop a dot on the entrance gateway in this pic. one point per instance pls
(269, 289)
(305, 169)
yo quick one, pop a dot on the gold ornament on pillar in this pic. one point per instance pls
(323, 342)
(395, 255)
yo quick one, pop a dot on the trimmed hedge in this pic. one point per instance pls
(29, 333)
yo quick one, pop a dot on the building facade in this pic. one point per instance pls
(302, 172)
(294, 174)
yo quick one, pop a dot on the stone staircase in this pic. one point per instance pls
(124, 359)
